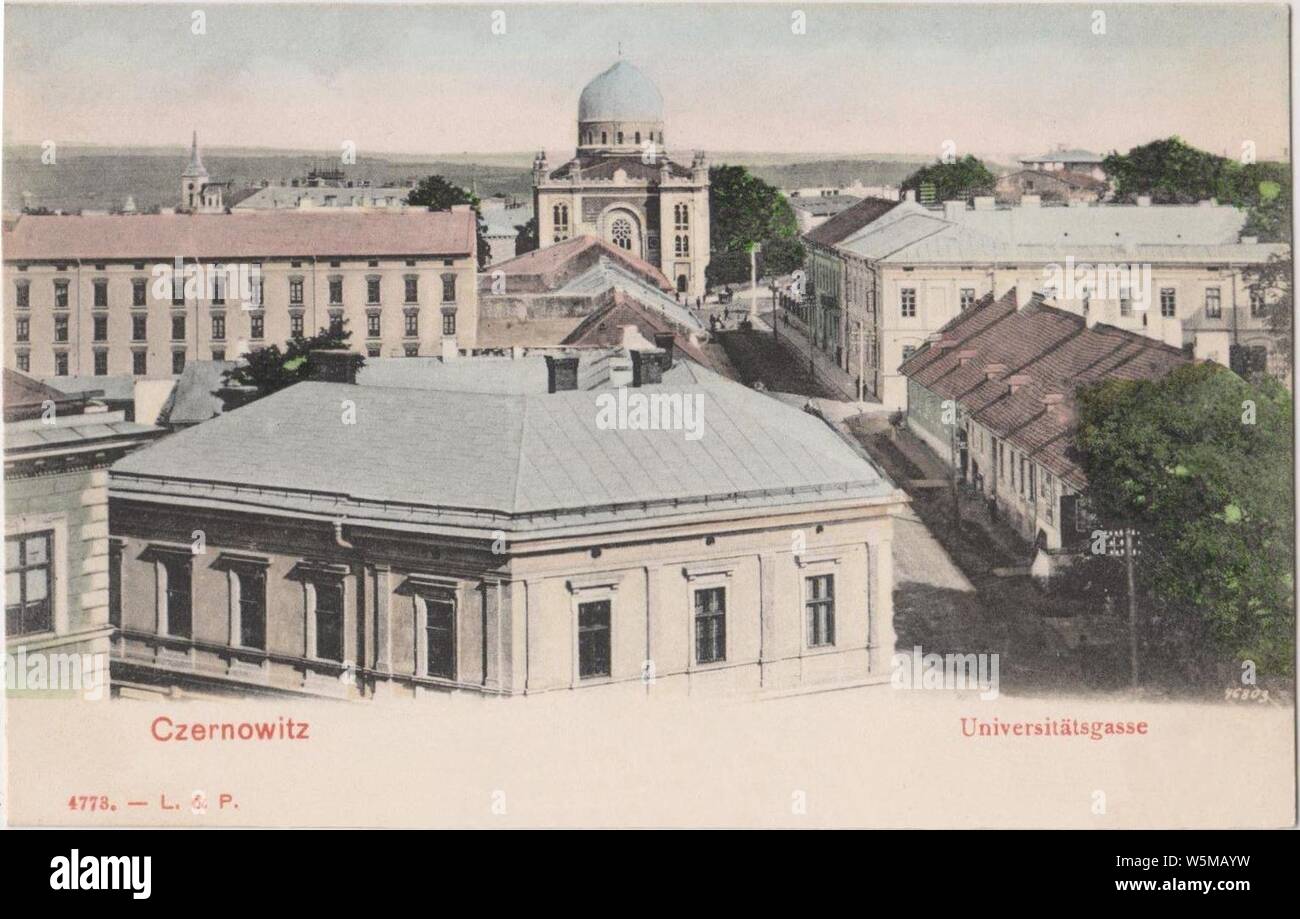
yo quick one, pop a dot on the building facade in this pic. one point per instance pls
(144, 294)
(531, 552)
(623, 187)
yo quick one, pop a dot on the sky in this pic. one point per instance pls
(424, 79)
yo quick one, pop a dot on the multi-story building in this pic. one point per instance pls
(103, 295)
(496, 526)
(1179, 274)
(623, 187)
(1079, 162)
(994, 394)
(60, 593)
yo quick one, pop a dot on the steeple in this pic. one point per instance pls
(195, 168)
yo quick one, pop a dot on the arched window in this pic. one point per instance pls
(682, 245)
(603, 137)
(620, 137)
(621, 233)
(560, 213)
(681, 216)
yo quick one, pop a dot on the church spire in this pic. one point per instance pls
(195, 168)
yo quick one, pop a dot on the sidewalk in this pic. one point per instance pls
(794, 340)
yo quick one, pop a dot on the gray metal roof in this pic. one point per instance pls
(537, 461)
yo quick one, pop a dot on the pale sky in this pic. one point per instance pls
(435, 79)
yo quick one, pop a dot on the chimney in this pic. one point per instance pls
(561, 373)
(966, 355)
(1054, 403)
(1019, 380)
(665, 342)
(993, 371)
(1030, 200)
(1144, 200)
(910, 195)
(983, 202)
(952, 210)
(335, 365)
(646, 368)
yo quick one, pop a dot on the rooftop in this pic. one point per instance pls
(849, 221)
(251, 235)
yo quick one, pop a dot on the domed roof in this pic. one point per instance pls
(621, 93)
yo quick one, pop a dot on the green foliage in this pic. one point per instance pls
(271, 369)
(437, 194)
(959, 180)
(744, 210)
(781, 256)
(1199, 463)
(727, 268)
(526, 236)
(1172, 171)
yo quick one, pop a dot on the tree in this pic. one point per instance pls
(959, 180)
(437, 194)
(1199, 464)
(526, 236)
(271, 369)
(744, 210)
(781, 256)
(1274, 280)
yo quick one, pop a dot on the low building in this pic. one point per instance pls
(60, 589)
(144, 295)
(994, 394)
(1058, 187)
(1080, 162)
(814, 210)
(507, 534)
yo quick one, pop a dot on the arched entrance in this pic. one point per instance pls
(682, 283)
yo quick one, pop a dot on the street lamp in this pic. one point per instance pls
(771, 285)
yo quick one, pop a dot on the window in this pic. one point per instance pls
(179, 596)
(60, 295)
(60, 363)
(100, 332)
(257, 326)
(139, 363)
(252, 607)
(1125, 303)
(218, 354)
(372, 325)
(412, 324)
(372, 350)
(448, 288)
(412, 290)
(178, 328)
(138, 288)
(908, 351)
(178, 288)
(24, 362)
(372, 290)
(1257, 306)
(336, 291)
(681, 217)
(819, 603)
(593, 639)
(295, 291)
(907, 302)
(710, 625)
(1049, 496)
(560, 220)
(440, 637)
(1213, 303)
(967, 298)
(682, 246)
(621, 233)
(1168, 302)
(29, 583)
(178, 362)
(218, 288)
(448, 324)
(101, 293)
(329, 620)
(255, 292)
(218, 327)
(604, 137)
(114, 582)
(23, 292)
(101, 363)
(295, 325)
(336, 323)
(410, 351)
(620, 137)
(60, 328)
(24, 330)
(139, 327)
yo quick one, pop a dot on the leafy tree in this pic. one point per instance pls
(1275, 280)
(743, 210)
(959, 180)
(727, 268)
(1199, 463)
(437, 194)
(271, 369)
(781, 256)
(526, 236)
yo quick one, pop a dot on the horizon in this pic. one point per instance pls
(373, 75)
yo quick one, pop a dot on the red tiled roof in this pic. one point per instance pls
(604, 327)
(1055, 353)
(849, 221)
(546, 269)
(249, 236)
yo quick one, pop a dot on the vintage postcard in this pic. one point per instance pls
(766, 415)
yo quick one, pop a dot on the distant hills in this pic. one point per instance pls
(94, 177)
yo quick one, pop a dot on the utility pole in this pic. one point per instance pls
(753, 282)
(1129, 539)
